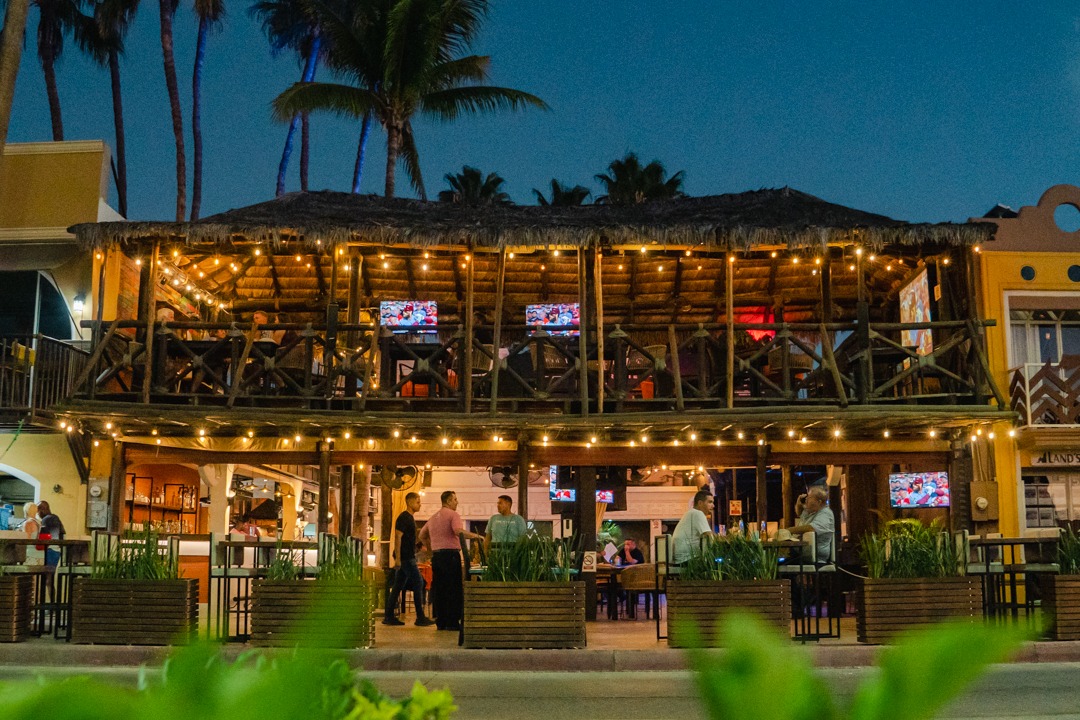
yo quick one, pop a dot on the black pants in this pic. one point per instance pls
(406, 577)
(447, 588)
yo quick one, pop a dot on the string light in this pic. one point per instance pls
(933, 433)
(741, 435)
(791, 433)
(761, 441)
(886, 434)
(693, 437)
(297, 438)
(644, 439)
(347, 435)
(836, 433)
(1012, 433)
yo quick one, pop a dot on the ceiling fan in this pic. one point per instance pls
(396, 477)
(503, 476)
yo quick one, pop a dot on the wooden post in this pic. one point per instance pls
(324, 486)
(345, 507)
(386, 525)
(826, 289)
(496, 361)
(116, 488)
(352, 317)
(583, 340)
(676, 370)
(729, 310)
(788, 500)
(598, 288)
(761, 490)
(361, 515)
(469, 332)
(523, 478)
(585, 528)
(150, 317)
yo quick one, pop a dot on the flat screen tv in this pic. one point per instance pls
(556, 318)
(919, 490)
(570, 495)
(407, 316)
(605, 496)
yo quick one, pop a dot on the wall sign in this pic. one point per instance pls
(1067, 458)
(734, 507)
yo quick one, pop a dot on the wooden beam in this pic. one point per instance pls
(523, 478)
(319, 279)
(324, 486)
(761, 511)
(346, 506)
(787, 499)
(459, 289)
(275, 282)
(365, 275)
(470, 331)
(598, 285)
(410, 277)
(496, 361)
(729, 315)
(583, 336)
(149, 316)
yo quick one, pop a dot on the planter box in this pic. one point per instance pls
(887, 606)
(1061, 600)
(16, 601)
(701, 604)
(524, 615)
(312, 614)
(134, 612)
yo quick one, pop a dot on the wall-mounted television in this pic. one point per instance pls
(570, 495)
(919, 490)
(915, 308)
(554, 317)
(409, 315)
(605, 496)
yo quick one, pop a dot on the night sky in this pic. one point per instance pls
(924, 111)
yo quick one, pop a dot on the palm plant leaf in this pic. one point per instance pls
(411, 158)
(452, 103)
(343, 100)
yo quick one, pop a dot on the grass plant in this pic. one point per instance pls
(910, 549)
(732, 557)
(533, 558)
(344, 562)
(139, 557)
(284, 566)
(1068, 552)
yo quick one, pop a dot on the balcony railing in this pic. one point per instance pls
(37, 372)
(521, 369)
(1047, 394)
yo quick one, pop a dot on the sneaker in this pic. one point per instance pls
(392, 621)
(424, 622)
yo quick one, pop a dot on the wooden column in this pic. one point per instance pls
(496, 361)
(149, 316)
(469, 332)
(598, 302)
(362, 512)
(761, 511)
(788, 499)
(346, 506)
(324, 486)
(386, 524)
(585, 529)
(116, 488)
(583, 336)
(826, 288)
(861, 500)
(352, 317)
(523, 479)
(729, 310)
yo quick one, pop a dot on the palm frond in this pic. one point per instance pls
(451, 104)
(342, 100)
(410, 157)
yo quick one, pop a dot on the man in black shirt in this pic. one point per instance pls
(406, 573)
(51, 529)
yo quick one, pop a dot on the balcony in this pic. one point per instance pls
(1047, 394)
(36, 373)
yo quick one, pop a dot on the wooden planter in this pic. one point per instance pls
(887, 606)
(312, 613)
(697, 606)
(1061, 600)
(16, 598)
(134, 612)
(524, 615)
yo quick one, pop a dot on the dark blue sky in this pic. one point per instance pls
(919, 110)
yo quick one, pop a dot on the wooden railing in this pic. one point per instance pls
(636, 368)
(36, 372)
(1047, 394)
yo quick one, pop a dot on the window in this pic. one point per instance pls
(1051, 499)
(1042, 336)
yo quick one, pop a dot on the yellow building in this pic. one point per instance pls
(1029, 279)
(50, 285)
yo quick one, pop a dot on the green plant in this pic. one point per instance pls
(283, 566)
(197, 683)
(139, 557)
(732, 557)
(918, 676)
(910, 549)
(1068, 552)
(533, 558)
(609, 532)
(344, 562)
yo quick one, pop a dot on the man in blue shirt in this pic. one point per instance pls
(504, 527)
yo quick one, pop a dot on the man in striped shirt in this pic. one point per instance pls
(443, 533)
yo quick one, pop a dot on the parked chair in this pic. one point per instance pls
(637, 581)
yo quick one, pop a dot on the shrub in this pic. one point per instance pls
(909, 549)
(1068, 552)
(533, 558)
(732, 557)
(142, 558)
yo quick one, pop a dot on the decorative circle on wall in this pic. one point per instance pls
(1027, 272)
(1067, 217)
(1074, 273)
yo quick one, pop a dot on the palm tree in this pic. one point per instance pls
(470, 187)
(11, 45)
(168, 11)
(210, 13)
(402, 57)
(631, 184)
(288, 26)
(563, 195)
(56, 18)
(104, 43)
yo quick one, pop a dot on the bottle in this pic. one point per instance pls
(742, 528)
(764, 530)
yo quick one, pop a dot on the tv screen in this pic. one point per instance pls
(915, 308)
(554, 315)
(563, 494)
(919, 490)
(409, 315)
(605, 496)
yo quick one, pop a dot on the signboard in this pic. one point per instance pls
(1059, 458)
(588, 563)
(734, 507)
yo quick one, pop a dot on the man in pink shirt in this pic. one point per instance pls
(442, 533)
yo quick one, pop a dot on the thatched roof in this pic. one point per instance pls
(775, 217)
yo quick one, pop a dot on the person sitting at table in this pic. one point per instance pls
(629, 554)
(504, 527)
(261, 318)
(693, 527)
(816, 516)
(32, 528)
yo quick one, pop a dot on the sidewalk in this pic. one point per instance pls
(613, 646)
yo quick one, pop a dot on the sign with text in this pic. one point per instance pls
(734, 507)
(1060, 458)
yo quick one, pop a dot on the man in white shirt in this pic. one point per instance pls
(816, 516)
(693, 527)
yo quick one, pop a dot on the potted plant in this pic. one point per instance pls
(526, 598)
(332, 610)
(135, 597)
(1061, 591)
(728, 572)
(915, 576)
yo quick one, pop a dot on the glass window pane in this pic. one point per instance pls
(1018, 350)
(1070, 339)
(1048, 346)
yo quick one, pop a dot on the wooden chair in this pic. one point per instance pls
(636, 581)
